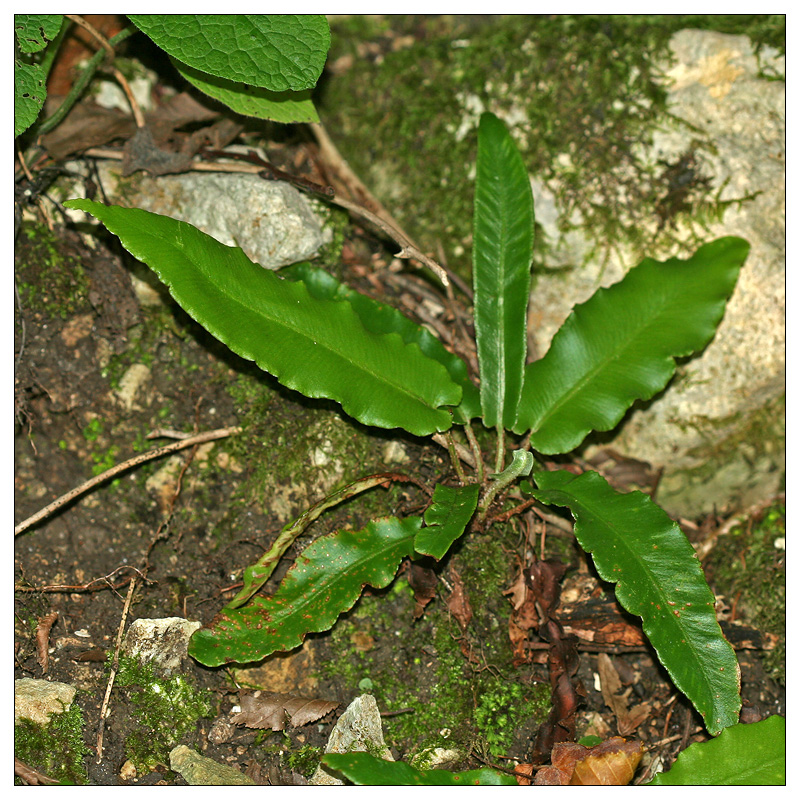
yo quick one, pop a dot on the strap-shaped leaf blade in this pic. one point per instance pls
(635, 545)
(279, 52)
(502, 254)
(364, 769)
(325, 581)
(379, 318)
(621, 344)
(317, 347)
(446, 518)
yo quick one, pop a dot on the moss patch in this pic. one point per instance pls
(52, 281)
(749, 567)
(57, 750)
(163, 710)
(440, 686)
(579, 93)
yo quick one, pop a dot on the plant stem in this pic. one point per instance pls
(456, 461)
(82, 82)
(501, 450)
(52, 49)
(520, 465)
(476, 450)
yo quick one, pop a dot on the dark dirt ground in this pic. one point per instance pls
(79, 328)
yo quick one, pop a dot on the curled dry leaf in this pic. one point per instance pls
(458, 602)
(610, 763)
(273, 710)
(628, 719)
(43, 639)
(423, 580)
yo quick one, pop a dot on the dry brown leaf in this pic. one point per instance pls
(524, 774)
(273, 710)
(423, 580)
(628, 719)
(610, 763)
(518, 591)
(458, 602)
(43, 639)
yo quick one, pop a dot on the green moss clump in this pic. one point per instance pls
(52, 280)
(580, 93)
(456, 703)
(57, 749)
(749, 563)
(164, 710)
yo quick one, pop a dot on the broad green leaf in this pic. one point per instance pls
(502, 253)
(658, 577)
(325, 581)
(379, 318)
(317, 347)
(446, 518)
(29, 95)
(363, 769)
(252, 101)
(279, 52)
(621, 344)
(742, 755)
(35, 31)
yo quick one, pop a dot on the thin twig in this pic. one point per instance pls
(31, 776)
(113, 674)
(208, 436)
(409, 250)
(105, 582)
(120, 78)
(81, 83)
(378, 215)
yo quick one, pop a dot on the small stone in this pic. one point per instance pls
(221, 731)
(359, 729)
(271, 221)
(198, 770)
(36, 699)
(127, 771)
(163, 642)
(130, 383)
(436, 758)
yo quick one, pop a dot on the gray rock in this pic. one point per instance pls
(36, 700)
(718, 430)
(271, 221)
(359, 729)
(163, 642)
(198, 770)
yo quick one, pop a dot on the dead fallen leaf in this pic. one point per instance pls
(273, 710)
(610, 763)
(458, 602)
(43, 639)
(524, 774)
(628, 719)
(423, 580)
(87, 125)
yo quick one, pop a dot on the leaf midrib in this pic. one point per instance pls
(377, 377)
(626, 582)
